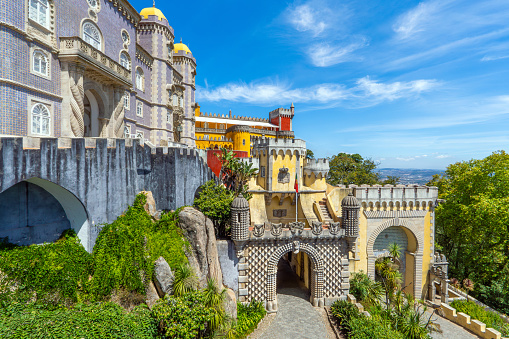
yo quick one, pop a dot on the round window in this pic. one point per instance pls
(125, 37)
(93, 3)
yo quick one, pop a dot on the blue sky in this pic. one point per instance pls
(408, 83)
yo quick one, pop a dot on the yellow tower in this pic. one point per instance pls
(241, 137)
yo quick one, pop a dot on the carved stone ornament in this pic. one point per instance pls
(334, 228)
(296, 247)
(276, 229)
(296, 228)
(283, 176)
(258, 230)
(316, 227)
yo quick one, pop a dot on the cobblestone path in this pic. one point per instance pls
(296, 317)
(450, 330)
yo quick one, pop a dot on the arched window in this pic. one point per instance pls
(175, 100)
(39, 12)
(221, 126)
(91, 35)
(40, 63)
(40, 119)
(140, 79)
(181, 102)
(243, 142)
(124, 60)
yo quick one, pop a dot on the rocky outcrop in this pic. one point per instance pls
(151, 295)
(163, 277)
(230, 304)
(203, 257)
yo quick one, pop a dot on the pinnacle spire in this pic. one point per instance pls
(154, 3)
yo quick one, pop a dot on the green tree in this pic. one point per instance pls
(473, 220)
(309, 154)
(235, 173)
(352, 169)
(215, 201)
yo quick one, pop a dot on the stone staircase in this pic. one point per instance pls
(325, 212)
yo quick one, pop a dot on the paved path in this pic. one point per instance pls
(450, 330)
(296, 317)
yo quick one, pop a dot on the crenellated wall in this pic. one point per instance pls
(95, 179)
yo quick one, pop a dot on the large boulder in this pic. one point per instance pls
(150, 205)
(203, 257)
(163, 277)
(230, 303)
(151, 295)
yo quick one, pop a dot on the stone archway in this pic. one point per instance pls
(416, 252)
(317, 281)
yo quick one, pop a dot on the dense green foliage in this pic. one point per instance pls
(184, 317)
(365, 289)
(477, 312)
(235, 173)
(104, 320)
(348, 169)
(472, 225)
(215, 201)
(248, 317)
(126, 249)
(57, 273)
(358, 326)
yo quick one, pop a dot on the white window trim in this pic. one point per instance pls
(127, 100)
(139, 104)
(33, 50)
(31, 103)
(168, 117)
(127, 131)
(128, 59)
(46, 24)
(128, 42)
(141, 84)
(91, 23)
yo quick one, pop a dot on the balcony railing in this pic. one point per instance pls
(76, 48)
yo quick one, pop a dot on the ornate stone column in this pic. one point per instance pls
(76, 72)
(119, 112)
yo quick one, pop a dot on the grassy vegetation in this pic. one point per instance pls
(477, 312)
(248, 317)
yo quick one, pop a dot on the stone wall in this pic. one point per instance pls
(96, 179)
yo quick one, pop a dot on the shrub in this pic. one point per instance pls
(104, 320)
(184, 317)
(248, 317)
(215, 201)
(366, 328)
(477, 312)
(56, 273)
(365, 289)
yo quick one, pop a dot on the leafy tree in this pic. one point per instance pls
(473, 221)
(352, 169)
(391, 180)
(235, 173)
(215, 201)
(309, 154)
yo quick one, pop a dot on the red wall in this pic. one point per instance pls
(213, 160)
(275, 121)
(285, 124)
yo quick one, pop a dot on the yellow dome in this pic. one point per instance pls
(181, 47)
(152, 11)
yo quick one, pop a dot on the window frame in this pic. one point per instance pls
(41, 117)
(139, 109)
(91, 24)
(127, 100)
(128, 59)
(34, 49)
(140, 79)
(38, 12)
(127, 129)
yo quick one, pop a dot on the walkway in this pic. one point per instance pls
(296, 317)
(450, 330)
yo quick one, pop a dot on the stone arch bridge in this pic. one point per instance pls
(50, 184)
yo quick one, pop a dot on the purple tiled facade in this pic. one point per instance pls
(83, 86)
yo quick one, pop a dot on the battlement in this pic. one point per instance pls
(254, 161)
(36, 143)
(316, 166)
(279, 143)
(235, 117)
(281, 111)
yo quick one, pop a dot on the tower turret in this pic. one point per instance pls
(240, 219)
(350, 208)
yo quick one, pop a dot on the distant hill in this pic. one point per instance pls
(409, 176)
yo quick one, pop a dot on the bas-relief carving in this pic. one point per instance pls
(283, 176)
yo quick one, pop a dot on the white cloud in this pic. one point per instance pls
(366, 91)
(493, 58)
(395, 90)
(415, 20)
(304, 18)
(327, 54)
(442, 156)
(405, 159)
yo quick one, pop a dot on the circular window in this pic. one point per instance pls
(125, 37)
(93, 3)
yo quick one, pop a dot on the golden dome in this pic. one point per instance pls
(181, 47)
(152, 11)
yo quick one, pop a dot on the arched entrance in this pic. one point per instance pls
(94, 114)
(35, 211)
(392, 235)
(405, 234)
(317, 272)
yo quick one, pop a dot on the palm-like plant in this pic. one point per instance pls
(214, 298)
(395, 251)
(235, 173)
(185, 280)
(468, 285)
